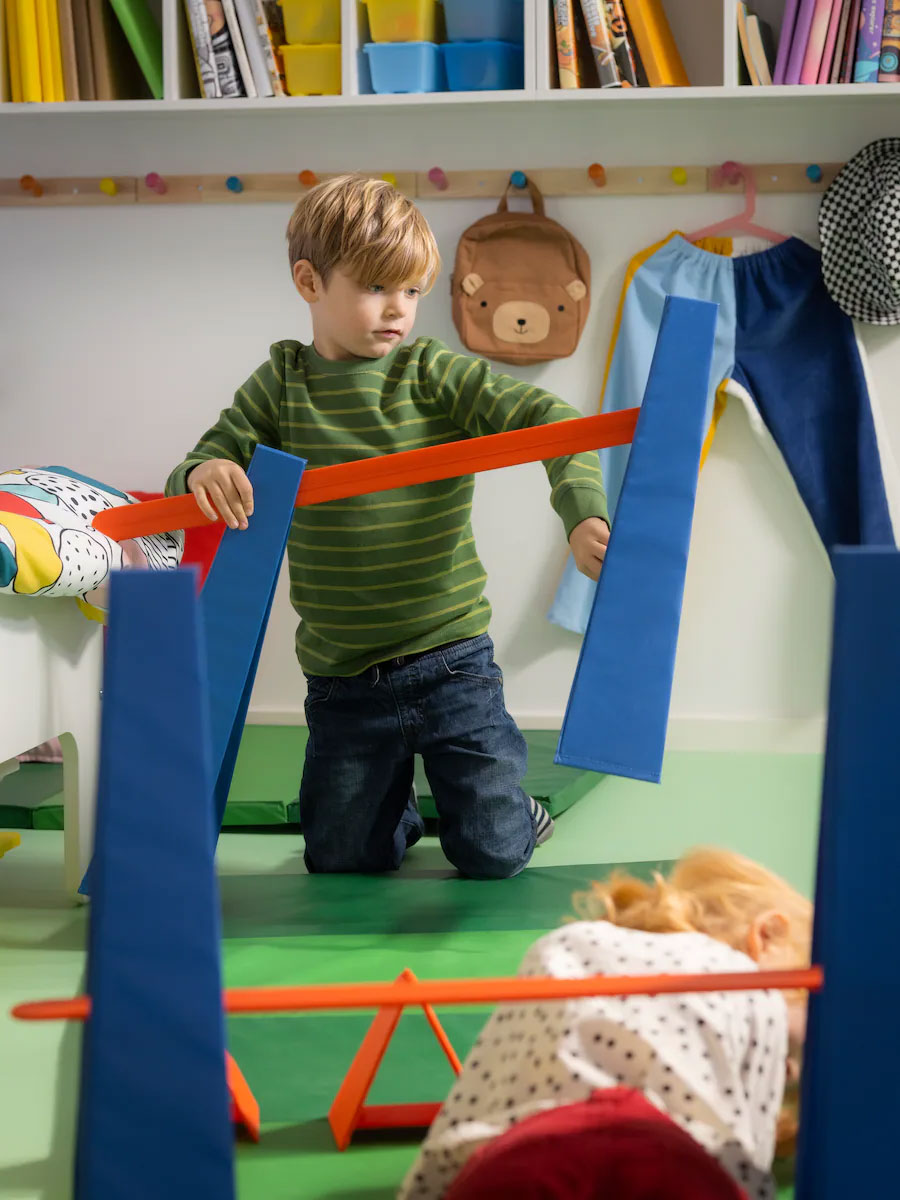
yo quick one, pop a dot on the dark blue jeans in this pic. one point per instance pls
(446, 705)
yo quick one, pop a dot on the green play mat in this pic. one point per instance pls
(266, 779)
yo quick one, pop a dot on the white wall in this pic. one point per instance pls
(123, 331)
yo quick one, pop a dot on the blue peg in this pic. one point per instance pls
(813, 173)
(518, 179)
(234, 184)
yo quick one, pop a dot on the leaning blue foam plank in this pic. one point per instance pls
(848, 1130)
(619, 703)
(236, 601)
(154, 1117)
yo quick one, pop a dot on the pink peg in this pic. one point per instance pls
(439, 179)
(730, 172)
(156, 183)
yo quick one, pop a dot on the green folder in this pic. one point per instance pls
(145, 39)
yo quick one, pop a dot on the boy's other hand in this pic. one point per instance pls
(589, 540)
(222, 489)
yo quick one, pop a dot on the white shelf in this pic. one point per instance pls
(643, 96)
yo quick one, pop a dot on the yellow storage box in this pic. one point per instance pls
(403, 20)
(312, 22)
(312, 70)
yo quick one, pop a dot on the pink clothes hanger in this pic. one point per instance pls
(741, 222)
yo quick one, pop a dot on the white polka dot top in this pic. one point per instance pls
(714, 1061)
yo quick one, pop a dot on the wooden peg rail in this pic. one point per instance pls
(431, 184)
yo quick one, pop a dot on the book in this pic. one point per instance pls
(655, 43)
(621, 42)
(223, 51)
(11, 34)
(273, 62)
(838, 56)
(601, 43)
(274, 19)
(815, 44)
(784, 39)
(201, 43)
(104, 83)
(799, 41)
(83, 53)
(848, 61)
(889, 63)
(45, 52)
(240, 50)
(830, 42)
(744, 43)
(566, 57)
(56, 62)
(762, 43)
(29, 52)
(246, 11)
(144, 38)
(69, 57)
(868, 45)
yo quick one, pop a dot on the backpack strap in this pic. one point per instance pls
(537, 200)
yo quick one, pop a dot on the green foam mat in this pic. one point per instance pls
(267, 777)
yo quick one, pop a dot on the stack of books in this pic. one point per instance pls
(615, 44)
(823, 41)
(236, 47)
(82, 50)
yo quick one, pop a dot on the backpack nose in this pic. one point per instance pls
(521, 321)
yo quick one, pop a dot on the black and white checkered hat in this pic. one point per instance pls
(859, 230)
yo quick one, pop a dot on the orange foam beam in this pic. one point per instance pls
(460, 991)
(387, 471)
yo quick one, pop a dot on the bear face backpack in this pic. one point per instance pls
(520, 286)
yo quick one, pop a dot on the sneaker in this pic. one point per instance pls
(543, 822)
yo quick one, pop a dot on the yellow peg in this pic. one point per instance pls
(108, 187)
(679, 176)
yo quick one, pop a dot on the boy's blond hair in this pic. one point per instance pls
(368, 229)
(709, 891)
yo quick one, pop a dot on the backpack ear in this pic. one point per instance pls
(471, 283)
(576, 289)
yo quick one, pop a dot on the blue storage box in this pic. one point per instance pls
(485, 20)
(484, 66)
(406, 67)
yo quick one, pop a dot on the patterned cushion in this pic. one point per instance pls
(48, 546)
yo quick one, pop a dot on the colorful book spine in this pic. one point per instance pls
(838, 56)
(848, 61)
(246, 11)
(245, 71)
(655, 43)
(621, 42)
(270, 54)
(800, 41)
(815, 46)
(889, 63)
(830, 42)
(601, 43)
(566, 57)
(784, 40)
(868, 46)
(201, 40)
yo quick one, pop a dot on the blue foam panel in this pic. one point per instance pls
(154, 1118)
(236, 601)
(849, 1111)
(618, 707)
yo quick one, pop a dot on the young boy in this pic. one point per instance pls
(393, 631)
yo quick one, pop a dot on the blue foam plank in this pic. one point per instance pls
(154, 1118)
(236, 601)
(849, 1110)
(618, 707)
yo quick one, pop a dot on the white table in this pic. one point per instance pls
(51, 659)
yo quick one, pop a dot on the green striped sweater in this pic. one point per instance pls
(394, 572)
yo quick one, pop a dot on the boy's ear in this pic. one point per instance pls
(307, 280)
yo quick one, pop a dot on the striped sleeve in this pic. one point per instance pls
(481, 402)
(251, 420)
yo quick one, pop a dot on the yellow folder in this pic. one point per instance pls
(45, 49)
(59, 91)
(29, 54)
(11, 17)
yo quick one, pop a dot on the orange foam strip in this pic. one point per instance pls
(461, 991)
(388, 471)
(244, 1105)
(398, 1116)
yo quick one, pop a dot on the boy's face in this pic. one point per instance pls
(353, 319)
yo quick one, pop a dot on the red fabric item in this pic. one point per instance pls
(614, 1146)
(200, 544)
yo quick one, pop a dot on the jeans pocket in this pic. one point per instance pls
(474, 664)
(319, 689)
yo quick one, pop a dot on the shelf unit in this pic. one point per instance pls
(704, 29)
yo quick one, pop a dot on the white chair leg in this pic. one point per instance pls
(80, 753)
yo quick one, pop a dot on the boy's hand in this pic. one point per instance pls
(222, 489)
(589, 540)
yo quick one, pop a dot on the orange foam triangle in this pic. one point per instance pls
(244, 1106)
(349, 1110)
